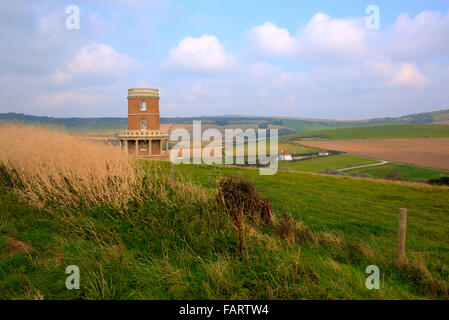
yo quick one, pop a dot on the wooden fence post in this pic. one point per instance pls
(402, 230)
(172, 173)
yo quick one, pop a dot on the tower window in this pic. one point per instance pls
(143, 124)
(143, 105)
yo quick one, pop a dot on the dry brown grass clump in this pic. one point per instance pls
(291, 229)
(16, 246)
(48, 165)
(242, 196)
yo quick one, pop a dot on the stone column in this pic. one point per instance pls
(160, 147)
(166, 146)
(150, 152)
(137, 148)
(126, 146)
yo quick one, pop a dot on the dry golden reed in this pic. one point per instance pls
(53, 166)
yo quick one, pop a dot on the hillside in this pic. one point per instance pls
(110, 126)
(135, 235)
(378, 132)
(401, 171)
(85, 126)
(338, 161)
(440, 115)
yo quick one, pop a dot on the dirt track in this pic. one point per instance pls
(432, 153)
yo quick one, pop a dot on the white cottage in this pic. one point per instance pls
(285, 156)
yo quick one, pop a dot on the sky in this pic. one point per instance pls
(305, 59)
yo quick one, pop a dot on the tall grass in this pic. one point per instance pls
(51, 166)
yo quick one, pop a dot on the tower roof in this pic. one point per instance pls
(143, 93)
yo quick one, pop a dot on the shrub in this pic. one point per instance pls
(366, 175)
(354, 174)
(444, 181)
(393, 175)
(291, 230)
(242, 195)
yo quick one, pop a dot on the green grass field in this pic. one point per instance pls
(302, 126)
(179, 243)
(293, 148)
(406, 172)
(380, 132)
(363, 211)
(339, 161)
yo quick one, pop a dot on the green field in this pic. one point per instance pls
(293, 148)
(380, 132)
(178, 243)
(406, 172)
(339, 161)
(363, 211)
(302, 126)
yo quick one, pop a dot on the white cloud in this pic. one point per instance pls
(322, 37)
(273, 40)
(423, 36)
(203, 54)
(408, 75)
(325, 39)
(274, 76)
(101, 59)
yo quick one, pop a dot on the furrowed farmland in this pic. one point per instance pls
(431, 152)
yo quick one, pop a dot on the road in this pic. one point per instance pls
(382, 162)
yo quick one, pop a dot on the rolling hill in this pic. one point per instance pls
(109, 126)
(378, 132)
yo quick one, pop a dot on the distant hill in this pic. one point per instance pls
(427, 117)
(86, 126)
(440, 115)
(110, 126)
(377, 132)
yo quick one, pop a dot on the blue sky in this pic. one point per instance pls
(308, 59)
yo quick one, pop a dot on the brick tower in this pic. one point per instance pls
(144, 139)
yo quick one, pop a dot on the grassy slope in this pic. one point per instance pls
(440, 115)
(293, 148)
(185, 249)
(339, 161)
(300, 126)
(407, 172)
(381, 132)
(360, 210)
(367, 204)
